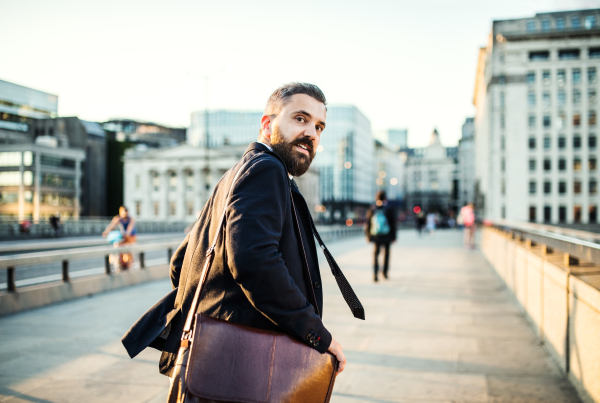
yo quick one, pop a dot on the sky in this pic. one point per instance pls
(404, 64)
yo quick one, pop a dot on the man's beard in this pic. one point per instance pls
(296, 162)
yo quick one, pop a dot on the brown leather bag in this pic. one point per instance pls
(221, 361)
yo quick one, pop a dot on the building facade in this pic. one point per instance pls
(536, 123)
(431, 179)
(466, 163)
(389, 167)
(173, 184)
(38, 181)
(394, 138)
(148, 133)
(19, 106)
(224, 127)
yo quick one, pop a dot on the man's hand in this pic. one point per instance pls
(335, 348)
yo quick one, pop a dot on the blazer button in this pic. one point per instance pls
(317, 284)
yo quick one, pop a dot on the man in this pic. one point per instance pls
(258, 277)
(468, 218)
(380, 229)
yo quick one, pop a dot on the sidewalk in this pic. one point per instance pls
(442, 329)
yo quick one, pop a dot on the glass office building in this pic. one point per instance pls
(224, 128)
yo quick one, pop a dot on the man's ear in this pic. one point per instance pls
(265, 126)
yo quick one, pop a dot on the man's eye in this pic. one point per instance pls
(320, 128)
(300, 119)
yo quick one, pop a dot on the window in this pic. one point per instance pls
(532, 214)
(189, 207)
(562, 214)
(547, 187)
(593, 187)
(138, 208)
(532, 165)
(156, 208)
(503, 187)
(543, 55)
(531, 121)
(547, 142)
(172, 208)
(502, 121)
(592, 75)
(502, 164)
(531, 143)
(503, 212)
(561, 77)
(502, 142)
(576, 164)
(531, 74)
(576, 119)
(562, 142)
(592, 96)
(594, 53)
(592, 164)
(546, 77)
(155, 181)
(502, 79)
(591, 118)
(531, 98)
(545, 25)
(575, 22)
(532, 187)
(576, 141)
(546, 99)
(562, 164)
(562, 187)
(547, 213)
(547, 121)
(576, 97)
(530, 26)
(561, 122)
(189, 180)
(592, 214)
(547, 165)
(590, 22)
(568, 54)
(560, 23)
(577, 214)
(576, 76)
(562, 98)
(502, 99)
(173, 181)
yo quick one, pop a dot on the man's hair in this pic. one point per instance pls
(380, 195)
(282, 95)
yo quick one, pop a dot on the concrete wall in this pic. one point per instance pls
(562, 303)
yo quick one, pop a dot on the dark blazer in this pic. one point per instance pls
(390, 214)
(257, 278)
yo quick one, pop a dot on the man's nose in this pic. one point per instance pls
(311, 133)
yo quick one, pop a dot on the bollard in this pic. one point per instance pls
(142, 262)
(65, 271)
(10, 280)
(107, 264)
(169, 254)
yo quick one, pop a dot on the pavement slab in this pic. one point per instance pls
(442, 329)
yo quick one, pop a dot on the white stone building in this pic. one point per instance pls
(431, 177)
(536, 122)
(173, 184)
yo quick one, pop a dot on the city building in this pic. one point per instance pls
(37, 181)
(431, 179)
(345, 157)
(148, 133)
(394, 138)
(536, 94)
(19, 106)
(174, 183)
(466, 163)
(72, 132)
(389, 168)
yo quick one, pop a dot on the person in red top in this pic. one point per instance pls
(468, 218)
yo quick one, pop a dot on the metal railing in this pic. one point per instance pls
(11, 262)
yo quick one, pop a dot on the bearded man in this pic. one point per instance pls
(258, 277)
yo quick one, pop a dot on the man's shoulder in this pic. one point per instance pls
(264, 163)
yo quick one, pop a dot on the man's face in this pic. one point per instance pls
(296, 132)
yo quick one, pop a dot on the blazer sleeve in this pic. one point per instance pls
(177, 262)
(255, 221)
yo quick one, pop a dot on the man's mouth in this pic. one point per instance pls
(303, 148)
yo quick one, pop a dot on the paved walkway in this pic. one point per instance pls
(441, 329)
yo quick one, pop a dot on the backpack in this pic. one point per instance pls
(379, 223)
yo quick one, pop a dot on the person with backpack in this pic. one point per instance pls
(380, 229)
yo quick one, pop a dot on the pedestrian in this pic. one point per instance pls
(420, 222)
(263, 271)
(380, 229)
(55, 224)
(430, 226)
(468, 217)
(127, 226)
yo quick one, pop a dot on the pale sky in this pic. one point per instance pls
(405, 64)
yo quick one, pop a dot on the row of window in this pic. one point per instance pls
(561, 120)
(189, 208)
(561, 98)
(563, 54)
(562, 214)
(561, 142)
(562, 187)
(561, 76)
(562, 164)
(561, 23)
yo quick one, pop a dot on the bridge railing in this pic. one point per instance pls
(554, 274)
